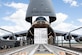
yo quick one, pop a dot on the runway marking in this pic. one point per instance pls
(62, 53)
(20, 53)
(44, 54)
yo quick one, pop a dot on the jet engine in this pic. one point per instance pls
(67, 37)
(78, 39)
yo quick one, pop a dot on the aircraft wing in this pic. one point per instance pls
(66, 35)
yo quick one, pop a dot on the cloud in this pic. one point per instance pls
(72, 2)
(17, 17)
(2, 32)
(80, 20)
(60, 25)
(66, 27)
(61, 17)
(17, 5)
(16, 28)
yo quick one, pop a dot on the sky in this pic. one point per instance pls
(68, 13)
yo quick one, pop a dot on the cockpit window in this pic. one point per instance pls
(40, 18)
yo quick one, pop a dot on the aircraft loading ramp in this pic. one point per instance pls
(41, 49)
